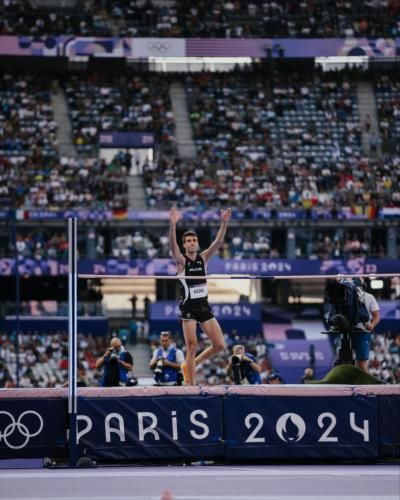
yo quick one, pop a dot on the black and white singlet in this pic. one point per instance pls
(194, 292)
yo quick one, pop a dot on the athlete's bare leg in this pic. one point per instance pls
(362, 364)
(189, 331)
(213, 331)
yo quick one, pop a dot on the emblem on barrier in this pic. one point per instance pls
(17, 428)
(290, 427)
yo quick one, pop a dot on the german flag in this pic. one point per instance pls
(120, 213)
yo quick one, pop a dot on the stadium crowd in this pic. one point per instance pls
(183, 18)
(27, 125)
(240, 243)
(20, 17)
(120, 103)
(43, 359)
(387, 91)
(62, 183)
(284, 142)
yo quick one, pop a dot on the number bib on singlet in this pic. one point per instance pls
(198, 291)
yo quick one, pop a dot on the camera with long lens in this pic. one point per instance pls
(340, 323)
(236, 359)
(158, 370)
(336, 293)
(114, 356)
(347, 307)
(345, 315)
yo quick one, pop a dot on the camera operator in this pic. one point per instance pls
(243, 365)
(361, 342)
(371, 305)
(353, 309)
(118, 366)
(166, 362)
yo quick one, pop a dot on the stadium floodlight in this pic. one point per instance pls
(333, 63)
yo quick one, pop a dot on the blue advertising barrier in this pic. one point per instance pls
(276, 427)
(389, 426)
(159, 427)
(33, 428)
(218, 423)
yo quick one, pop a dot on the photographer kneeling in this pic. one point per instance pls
(118, 366)
(166, 362)
(243, 365)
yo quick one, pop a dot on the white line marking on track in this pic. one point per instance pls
(202, 471)
(215, 497)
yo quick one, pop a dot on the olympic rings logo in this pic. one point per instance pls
(158, 46)
(17, 426)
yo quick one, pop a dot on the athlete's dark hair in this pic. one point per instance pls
(190, 232)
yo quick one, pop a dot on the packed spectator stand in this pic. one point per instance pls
(43, 359)
(20, 17)
(183, 18)
(387, 90)
(296, 143)
(124, 103)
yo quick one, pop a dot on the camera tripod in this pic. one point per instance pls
(345, 351)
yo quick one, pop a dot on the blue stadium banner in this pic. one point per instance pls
(259, 267)
(164, 310)
(292, 427)
(33, 428)
(289, 357)
(244, 318)
(108, 139)
(158, 427)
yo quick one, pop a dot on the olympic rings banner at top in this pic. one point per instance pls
(135, 48)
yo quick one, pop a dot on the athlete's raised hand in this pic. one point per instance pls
(226, 214)
(174, 216)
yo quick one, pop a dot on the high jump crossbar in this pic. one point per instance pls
(239, 276)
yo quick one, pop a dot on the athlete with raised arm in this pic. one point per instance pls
(194, 304)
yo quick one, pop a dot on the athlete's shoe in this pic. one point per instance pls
(185, 372)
